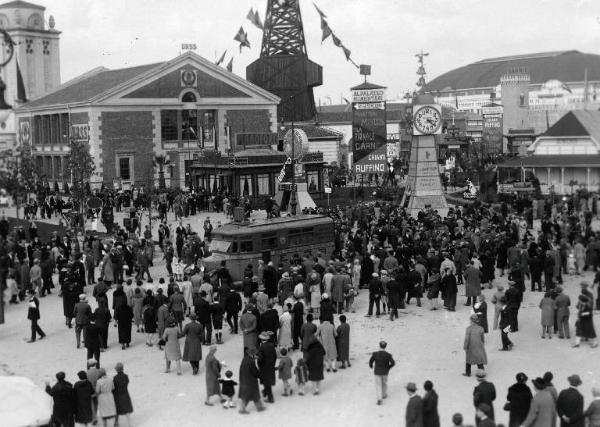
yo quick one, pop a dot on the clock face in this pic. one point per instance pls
(427, 120)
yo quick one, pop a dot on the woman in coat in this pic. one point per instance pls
(124, 317)
(480, 309)
(548, 307)
(584, 328)
(138, 306)
(542, 411)
(431, 418)
(248, 326)
(343, 342)
(266, 358)
(472, 283)
(122, 398)
(213, 372)
(106, 401)
(84, 391)
(518, 401)
(119, 298)
(314, 355)
(172, 349)
(326, 333)
(285, 328)
(249, 390)
(192, 349)
(149, 323)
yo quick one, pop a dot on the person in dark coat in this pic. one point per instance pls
(267, 358)
(70, 295)
(431, 418)
(484, 392)
(269, 321)
(314, 356)
(62, 395)
(124, 317)
(103, 317)
(249, 390)
(343, 343)
(119, 298)
(93, 341)
(84, 392)
(518, 401)
(122, 398)
(233, 306)
(33, 314)
(270, 280)
(414, 407)
(514, 297)
(569, 404)
(192, 349)
(297, 321)
(326, 309)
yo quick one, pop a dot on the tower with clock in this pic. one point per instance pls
(424, 181)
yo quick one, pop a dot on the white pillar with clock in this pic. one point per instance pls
(424, 181)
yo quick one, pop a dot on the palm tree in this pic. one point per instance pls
(160, 161)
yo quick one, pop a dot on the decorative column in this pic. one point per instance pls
(562, 180)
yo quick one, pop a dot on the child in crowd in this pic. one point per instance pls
(285, 372)
(228, 389)
(301, 372)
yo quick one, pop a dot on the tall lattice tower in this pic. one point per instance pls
(283, 67)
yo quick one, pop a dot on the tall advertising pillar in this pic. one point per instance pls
(424, 181)
(369, 130)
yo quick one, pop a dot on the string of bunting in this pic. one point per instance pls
(328, 32)
(242, 38)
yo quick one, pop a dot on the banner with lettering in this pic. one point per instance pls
(369, 126)
(492, 134)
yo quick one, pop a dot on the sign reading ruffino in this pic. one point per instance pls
(369, 124)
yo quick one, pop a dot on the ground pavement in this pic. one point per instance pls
(425, 344)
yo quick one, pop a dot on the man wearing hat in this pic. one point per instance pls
(375, 292)
(266, 358)
(82, 314)
(518, 400)
(542, 411)
(92, 375)
(474, 346)
(484, 393)
(514, 297)
(414, 407)
(562, 302)
(569, 404)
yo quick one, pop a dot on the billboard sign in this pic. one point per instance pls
(374, 162)
(492, 133)
(369, 128)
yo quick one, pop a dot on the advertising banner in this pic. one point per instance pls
(374, 162)
(369, 126)
(492, 134)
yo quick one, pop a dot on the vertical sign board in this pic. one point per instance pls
(492, 129)
(369, 128)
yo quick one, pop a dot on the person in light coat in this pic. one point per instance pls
(474, 346)
(326, 334)
(106, 401)
(542, 411)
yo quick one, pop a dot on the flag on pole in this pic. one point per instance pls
(250, 15)
(230, 65)
(222, 58)
(325, 28)
(21, 94)
(320, 11)
(242, 37)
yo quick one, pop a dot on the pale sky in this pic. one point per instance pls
(383, 33)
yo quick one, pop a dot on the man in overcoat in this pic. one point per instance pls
(249, 390)
(484, 392)
(474, 346)
(569, 404)
(267, 358)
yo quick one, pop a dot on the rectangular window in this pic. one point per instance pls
(246, 246)
(48, 168)
(168, 125)
(263, 184)
(124, 171)
(57, 168)
(64, 128)
(246, 185)
(189, 125)
(208, 125)
(312, 178)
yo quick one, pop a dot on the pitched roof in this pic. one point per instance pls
(577, 123)
(561, 160)
(565, 66)
(20, 4)
(366, 86)
(89, 86)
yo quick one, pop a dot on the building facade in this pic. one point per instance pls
(180, 109)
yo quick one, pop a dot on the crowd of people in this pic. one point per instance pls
(379, 249)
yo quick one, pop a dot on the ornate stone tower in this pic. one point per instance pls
(283, 67)
(515, 99)
(36, 52)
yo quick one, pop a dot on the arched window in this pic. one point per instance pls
(3, 21)
(35, 22)
(188, 97)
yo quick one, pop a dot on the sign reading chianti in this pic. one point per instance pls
(369, 127)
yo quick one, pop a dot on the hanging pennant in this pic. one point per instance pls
(336, 41)
(347, 52)
(325, 28)
(222, 58)
(320, 11)
(242, 37)
(257, 21)
(230, 65)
